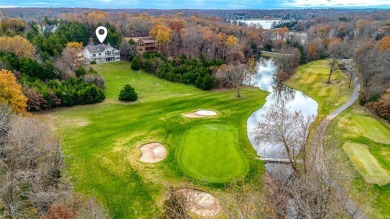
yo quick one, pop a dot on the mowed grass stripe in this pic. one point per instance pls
(311, 79)
(101, 141)
(372, 129)
(366, 163)
(210, 153)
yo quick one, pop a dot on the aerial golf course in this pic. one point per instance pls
(363, 138)
(102, 141)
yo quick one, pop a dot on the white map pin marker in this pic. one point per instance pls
(103, 36)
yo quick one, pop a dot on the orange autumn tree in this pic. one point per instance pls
(75, 45)
(384, 43)
(11, 92)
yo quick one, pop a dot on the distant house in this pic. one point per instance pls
(145, 44)
(101, 53)
(49, 29)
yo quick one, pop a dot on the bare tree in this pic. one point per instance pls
(290, 129)
(243, 200)
(335, 52)
(128, 49)
(177, 205)
(313, 187)
(70, 60)
(232, 75)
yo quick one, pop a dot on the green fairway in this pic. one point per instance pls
(311, 79)
(101, 141)
(354, 125)
(366, 163)
(364, 138)
(209, 152)
(372, 129)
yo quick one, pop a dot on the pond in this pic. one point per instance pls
(264, 23)
(278, 94)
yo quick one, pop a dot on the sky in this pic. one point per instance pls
(199, 4)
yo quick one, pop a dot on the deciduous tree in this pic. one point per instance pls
(18, 45)
(11, 93)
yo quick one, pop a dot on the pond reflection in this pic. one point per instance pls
(279, 94)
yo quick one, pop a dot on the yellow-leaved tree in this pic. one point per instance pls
(18, 45)
(231, 40)
(75, 45)
(11, 92)
(162, 33)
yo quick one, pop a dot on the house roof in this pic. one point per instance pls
(149, 41)
(144, 39)
(98, 48)
(50, 28)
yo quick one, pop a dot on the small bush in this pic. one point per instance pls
(136, 64)
(128, 94)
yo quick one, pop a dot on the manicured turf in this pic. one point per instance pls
(359, 128)
(366, 163)
(311, 79)
(355, 125)
(101, 141)
(372, 129)
(209, 152)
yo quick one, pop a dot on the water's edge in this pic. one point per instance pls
(278, 93)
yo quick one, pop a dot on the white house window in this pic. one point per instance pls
(100, 54)
(94, 55)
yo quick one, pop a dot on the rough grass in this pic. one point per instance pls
(101, 141)
(354, 125)
(372, 129)
(366, 163)
(210, 153)
(311, 79)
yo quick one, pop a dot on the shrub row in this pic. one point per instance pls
(182, 70)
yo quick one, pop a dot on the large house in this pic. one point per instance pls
(145, 44)
(101, 53)
(49, 29)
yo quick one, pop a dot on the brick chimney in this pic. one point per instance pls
(90, 42)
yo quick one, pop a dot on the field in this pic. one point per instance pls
(364, 139)
(366, 163)
(101, 141)
(371, 157)
(311, 80)
(209, 152)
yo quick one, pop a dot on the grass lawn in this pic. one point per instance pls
(355, 125)
(372, 129)
(101, 141)
(366, 163)
(364, 140)
(210, 153)
(311, 79)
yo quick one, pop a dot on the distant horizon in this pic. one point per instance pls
(200, 4)
(200, 9)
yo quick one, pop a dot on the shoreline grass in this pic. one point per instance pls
(101, 141)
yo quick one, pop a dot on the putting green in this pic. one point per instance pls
(210, 153)
(366, 164)
(101, 141)
(372, 129)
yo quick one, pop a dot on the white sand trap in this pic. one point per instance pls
(202, 203)
(152, 153)
(200, 114)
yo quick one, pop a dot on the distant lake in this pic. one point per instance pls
(264, 23)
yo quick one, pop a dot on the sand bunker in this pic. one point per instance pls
(152, 153)
(200, 114)
(202, 203)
